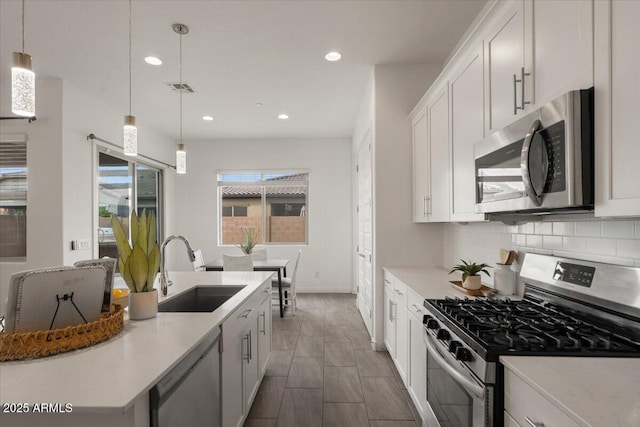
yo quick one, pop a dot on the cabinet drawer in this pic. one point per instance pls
(401, 292)
(415, 304)
(521, 401)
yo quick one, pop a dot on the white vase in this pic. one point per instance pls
(472, 283)
(143, 305)
(504, 279)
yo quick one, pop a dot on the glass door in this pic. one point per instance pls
(115, 191)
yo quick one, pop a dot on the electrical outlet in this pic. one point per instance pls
(80, 245)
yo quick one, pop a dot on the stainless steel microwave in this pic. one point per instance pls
(541, 163)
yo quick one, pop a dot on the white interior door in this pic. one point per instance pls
(365, 233)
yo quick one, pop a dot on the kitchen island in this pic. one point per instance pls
(108, 384)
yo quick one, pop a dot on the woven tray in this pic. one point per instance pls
(32, 345)
(484, 291)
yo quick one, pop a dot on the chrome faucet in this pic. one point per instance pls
(164, 278)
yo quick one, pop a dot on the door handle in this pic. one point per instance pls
(525, 165)
(515, 91)
(522, 76)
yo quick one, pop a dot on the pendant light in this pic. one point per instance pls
(181, 154)
(23, 82)
(130, 132)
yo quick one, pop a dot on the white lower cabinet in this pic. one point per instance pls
(243, 355)
(389, 324)
(525, 407)
(417, 384)
(402, 341)
(264, 334)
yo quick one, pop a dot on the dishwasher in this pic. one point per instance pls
(189, 395)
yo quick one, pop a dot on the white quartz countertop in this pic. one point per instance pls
(111, 376)
(594, 392)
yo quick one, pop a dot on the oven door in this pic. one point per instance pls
(455, 395)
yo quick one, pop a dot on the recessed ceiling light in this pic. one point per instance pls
(207, 118)
(152, 60)
(333, 56)
(283, 116)
(258, 104)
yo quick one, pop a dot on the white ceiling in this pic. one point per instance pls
(237, 53)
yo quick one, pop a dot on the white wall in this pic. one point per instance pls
(61, 166)
(328, 253)
(610, 241)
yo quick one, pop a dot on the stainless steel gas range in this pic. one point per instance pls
(570, 308)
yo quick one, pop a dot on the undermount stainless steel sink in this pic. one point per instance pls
(199, 299)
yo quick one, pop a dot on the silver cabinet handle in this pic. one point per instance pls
(246, 313)
(395, 313)
(246, 337)
(386, 281)
(361, 255)
(424, 206)
(522, 76)
(515, 94)
(250, 347)
(428, 205)
(398, 292)
(266, 291)
(416, 308)
(533, 423)
(264, 323)
(390, 310)
(524, 165)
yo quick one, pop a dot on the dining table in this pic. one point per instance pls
(279, 265)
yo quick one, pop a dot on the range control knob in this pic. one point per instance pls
(453, 346)
(444, 335)
(463, 354)
(432, 324)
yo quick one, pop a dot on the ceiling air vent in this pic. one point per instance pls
(181, 87)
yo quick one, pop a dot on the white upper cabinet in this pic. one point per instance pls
(438, 114)
(617, 107)
(420, 162)
(562, 46)
(504, 62)
(467, 127)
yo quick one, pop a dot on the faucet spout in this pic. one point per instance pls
(164, 277)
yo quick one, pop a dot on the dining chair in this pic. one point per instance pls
(198, 264)
(259, 254)
(288, 286)
(237, 263)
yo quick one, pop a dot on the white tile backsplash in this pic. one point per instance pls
(564, 228)
(543, 227)
(618, 229)
(552, 242)
(574, 244)
(526, 228)
(629, 248)
(589, 228)
(601, 246)
(637, 229)
(534, 241)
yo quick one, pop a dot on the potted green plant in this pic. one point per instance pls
(249, 240)
(139, 262)
(470, 274)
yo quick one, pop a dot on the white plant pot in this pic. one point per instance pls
(143, 305)
(472, 283)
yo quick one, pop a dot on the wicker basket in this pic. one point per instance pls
(32, 345)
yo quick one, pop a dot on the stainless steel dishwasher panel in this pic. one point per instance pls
(189, 395)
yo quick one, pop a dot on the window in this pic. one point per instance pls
(13, 199)
(124, 185)
(273, 204)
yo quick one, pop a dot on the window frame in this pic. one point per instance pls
(263, 201)
(20, 138)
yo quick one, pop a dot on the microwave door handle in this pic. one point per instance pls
(461, 379)
(524, 164)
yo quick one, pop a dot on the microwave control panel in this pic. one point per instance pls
(554, 138)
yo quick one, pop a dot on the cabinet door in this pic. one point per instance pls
(402, 340)
(617, 107)
(504, 59)
(438, 113)
(562, 47)
(420, 166)
(264, 334)
(389, 323)
(233, 352)
(250, 375)
(467, 128)
(417, 385)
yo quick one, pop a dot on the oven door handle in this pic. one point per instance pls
(525, 155)
(469, 385)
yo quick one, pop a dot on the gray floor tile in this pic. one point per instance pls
(335, 333)
(301, 407)
(345, 415)
(287, 323)
(385, 400)
(305, 372)
(312, 328)
(284, 340)
(342, 385)
(373, 363)
(313, 314)
(267, 401)
(360, 339)
(387, 423)
(279, 364)
(310, 347)
(256, 422)
(339, 354)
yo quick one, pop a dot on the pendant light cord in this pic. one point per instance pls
(129, 57)
(23, 26)
(181, 88)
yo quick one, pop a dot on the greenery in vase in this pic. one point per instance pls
(249, 240)
(470, 269)
(138, 260)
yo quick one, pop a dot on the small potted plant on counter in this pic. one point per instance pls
(470, 274)
(249, 240)
(139, 262)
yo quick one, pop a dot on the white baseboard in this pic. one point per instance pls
(323, 290)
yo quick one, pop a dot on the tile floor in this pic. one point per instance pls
(324, 373)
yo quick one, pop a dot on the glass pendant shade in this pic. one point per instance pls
(130, 136)
(181, 159)
(23, 86)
